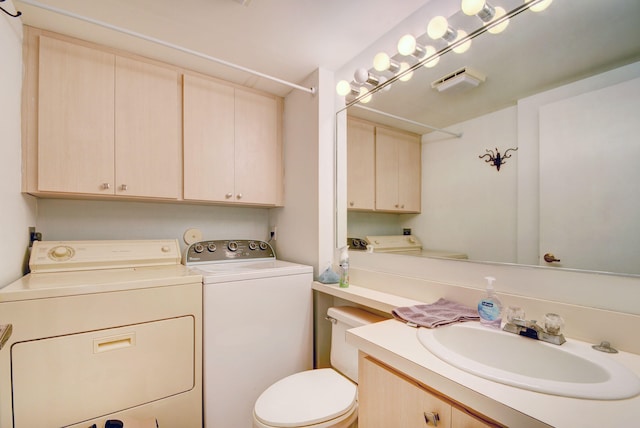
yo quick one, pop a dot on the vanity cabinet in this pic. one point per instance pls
(232, 144)
(398, 171)
(384, 168)
(360, 165)
(387, 398)
(106, 124)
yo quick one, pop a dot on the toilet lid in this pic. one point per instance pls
(306, 398)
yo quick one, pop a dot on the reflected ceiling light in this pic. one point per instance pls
(343, 88)
(463, 47)
(382, 62)
(363, 92)
(407, 45)
(362, 76)
(539, 7)
(430, 50)
(403, 67)
(500, 12)
(479, 8)
(438, 28)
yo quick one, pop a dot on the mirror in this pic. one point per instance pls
(540, 66)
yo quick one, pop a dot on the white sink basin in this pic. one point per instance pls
(573, 369)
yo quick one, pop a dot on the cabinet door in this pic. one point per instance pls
(398, 171)
(208, 140)
(360, 165)
(409, 173)
(462, 419)
(388, 400)
(75, 119)
(148, 146)
(258, 150)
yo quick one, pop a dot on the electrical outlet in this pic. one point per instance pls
(34, 236)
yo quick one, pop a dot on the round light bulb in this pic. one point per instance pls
(361, 75)
(430, 50)
(343, 88)
(463, 47)
(540, 6)
(472, 7)
(437, 27)
(381, 62)
(405, 66)
(407, 45)
(500, 12)
(363, 93)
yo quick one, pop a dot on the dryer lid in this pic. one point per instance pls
(306, 398)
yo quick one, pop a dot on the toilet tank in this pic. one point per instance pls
(344, 357)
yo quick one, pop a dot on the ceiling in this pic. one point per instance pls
(286, 39)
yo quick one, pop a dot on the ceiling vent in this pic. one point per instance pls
(464, 78)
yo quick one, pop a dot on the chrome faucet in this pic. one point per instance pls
(529, 328)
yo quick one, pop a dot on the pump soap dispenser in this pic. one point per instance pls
(490, 307)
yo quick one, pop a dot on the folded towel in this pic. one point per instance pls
(432, 315)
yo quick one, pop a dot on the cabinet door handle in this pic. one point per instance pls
(431, 418)
(239, 196)
(228, 195)
(106, 186)
(124, 187)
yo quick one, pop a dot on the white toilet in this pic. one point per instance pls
(322, 398)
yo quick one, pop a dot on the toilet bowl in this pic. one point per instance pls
(321, 398)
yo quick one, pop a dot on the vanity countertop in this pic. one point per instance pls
(396, 344)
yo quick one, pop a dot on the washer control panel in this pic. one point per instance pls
(228, 250)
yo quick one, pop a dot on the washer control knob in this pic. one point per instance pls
(253, 245)
(263, 245)
(198, 248)
(165, 249)
(232, 246)
(211, 247)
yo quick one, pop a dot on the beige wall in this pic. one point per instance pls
(18, 211)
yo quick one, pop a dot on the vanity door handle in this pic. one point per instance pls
(431, 418)
(550, 258)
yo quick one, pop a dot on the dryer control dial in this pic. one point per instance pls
(61, 253)
(232, 246)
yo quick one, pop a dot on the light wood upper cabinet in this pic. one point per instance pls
(232, 144)
(398, 171)
(387, 398)
(360, 165)
(107, 125)
(75, 146)
(147, 130)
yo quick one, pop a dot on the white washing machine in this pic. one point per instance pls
(258, 324)
(102, 330)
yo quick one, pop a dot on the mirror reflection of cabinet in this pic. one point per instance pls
(384, 170)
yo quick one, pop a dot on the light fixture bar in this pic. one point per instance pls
(484, 28)
(412, 122)
(37, 4)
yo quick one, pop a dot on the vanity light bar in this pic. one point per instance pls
(530, 4)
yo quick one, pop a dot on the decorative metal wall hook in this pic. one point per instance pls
(496, 159)
(17, 14)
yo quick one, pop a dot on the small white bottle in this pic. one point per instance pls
(490, 307)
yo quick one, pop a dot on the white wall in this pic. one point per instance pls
(305, 224)
(18, 211)
(60, 219)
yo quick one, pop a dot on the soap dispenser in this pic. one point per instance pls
(344, 267)
(490, 307)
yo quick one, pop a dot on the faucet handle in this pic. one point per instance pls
(553, 323)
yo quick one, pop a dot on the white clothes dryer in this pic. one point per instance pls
(258, 324)
(102, 330)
